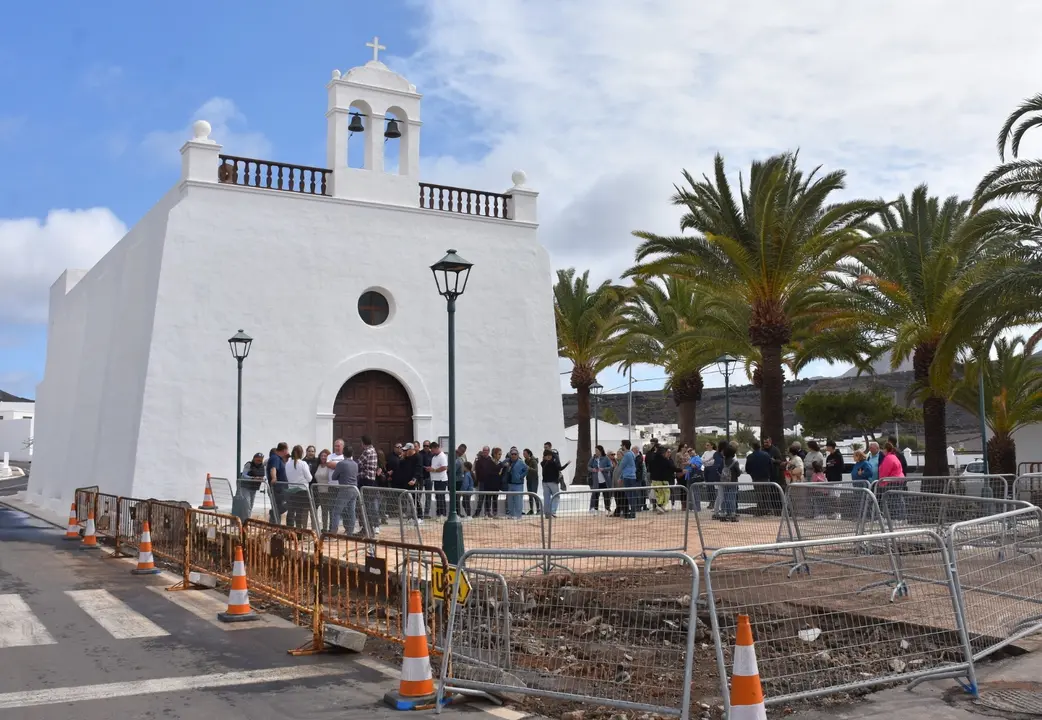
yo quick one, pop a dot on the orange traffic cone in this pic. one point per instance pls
(146, 565)
(417, 684)
(73, 533)
(238, 597)
(208, 503)
(90, 539)
(746, 691)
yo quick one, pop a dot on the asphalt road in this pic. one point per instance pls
(80, 637)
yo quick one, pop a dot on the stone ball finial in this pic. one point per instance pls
(518, 178)
(336, 74)
(201, 131)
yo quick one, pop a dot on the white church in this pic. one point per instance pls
(328, 270)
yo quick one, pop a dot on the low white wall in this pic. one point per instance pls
(13, 436)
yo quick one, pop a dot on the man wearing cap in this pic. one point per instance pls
(250, 479)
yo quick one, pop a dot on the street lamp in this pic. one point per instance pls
(726, 363)
(450, 274)
(596, 388)
(240, 344)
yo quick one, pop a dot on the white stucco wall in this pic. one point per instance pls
(289, 270)
(1029, 445)
(99, 334)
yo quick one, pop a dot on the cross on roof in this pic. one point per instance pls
(377, 47)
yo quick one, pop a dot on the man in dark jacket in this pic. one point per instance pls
(834, 462)
(486, 474)
(759, 466)
(408, 472)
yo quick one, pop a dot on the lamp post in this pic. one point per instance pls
(450, 274)
(596, 390)
(240, 344)
(726, 363)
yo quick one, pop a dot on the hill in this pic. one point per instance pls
(656, 406)
(8, 397)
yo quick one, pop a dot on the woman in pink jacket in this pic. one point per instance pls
(892, 491)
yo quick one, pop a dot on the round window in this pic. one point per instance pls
(373, 308)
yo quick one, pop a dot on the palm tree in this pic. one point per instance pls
(907, 288)
(1012, 397)
(1018, 178)
(656, 328)
(586, 322)
(767, 249)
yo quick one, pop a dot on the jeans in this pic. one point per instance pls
(428, 485)
(515, 502)
(532, 487)
(632, 494)
(298, 507)
(345, 506)
(371, 501)
(489, 502)
(550, 497)
(694, 496)
(729, 505)
(441, 505)
(247, 492)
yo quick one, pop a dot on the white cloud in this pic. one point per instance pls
(102, 77)
(36, 252)
(228, 128)
(602, 107)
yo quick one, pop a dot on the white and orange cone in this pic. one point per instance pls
(239, 609)
(208, 503)
(73, 532)
(90, 538)
(746, 690)
(146, 564)
(417, 684)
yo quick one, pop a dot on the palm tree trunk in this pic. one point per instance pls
(935, 417)
(686, 420)
(772, 409)
(584, 451)
(1002, 458)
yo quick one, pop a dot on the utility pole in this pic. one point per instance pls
(629, 408)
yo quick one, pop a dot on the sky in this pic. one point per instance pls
(601, 102)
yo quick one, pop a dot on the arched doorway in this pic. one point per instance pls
(373, 403)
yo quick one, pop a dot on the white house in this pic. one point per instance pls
(605, 433)
(17, 425)
(328, 269)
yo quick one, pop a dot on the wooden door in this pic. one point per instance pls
(373, 403)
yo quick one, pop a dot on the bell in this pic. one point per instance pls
(356, 124)
(392, 132)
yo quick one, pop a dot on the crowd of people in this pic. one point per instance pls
(625, 481)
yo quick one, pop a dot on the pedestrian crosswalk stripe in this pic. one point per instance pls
(19, 627)
(114, 615)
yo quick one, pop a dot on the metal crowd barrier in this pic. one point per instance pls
(761, 521)
(131, 514)
(1028, 487)
(222, 493)
(830, 510)
(391, 507)
(213, 539)
(365, 585)
(84, 498)
(340, 506)
(837, 628)
(168, 524)
(575, 527)
(282, 565)
(1001, 594)
(586, 641)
